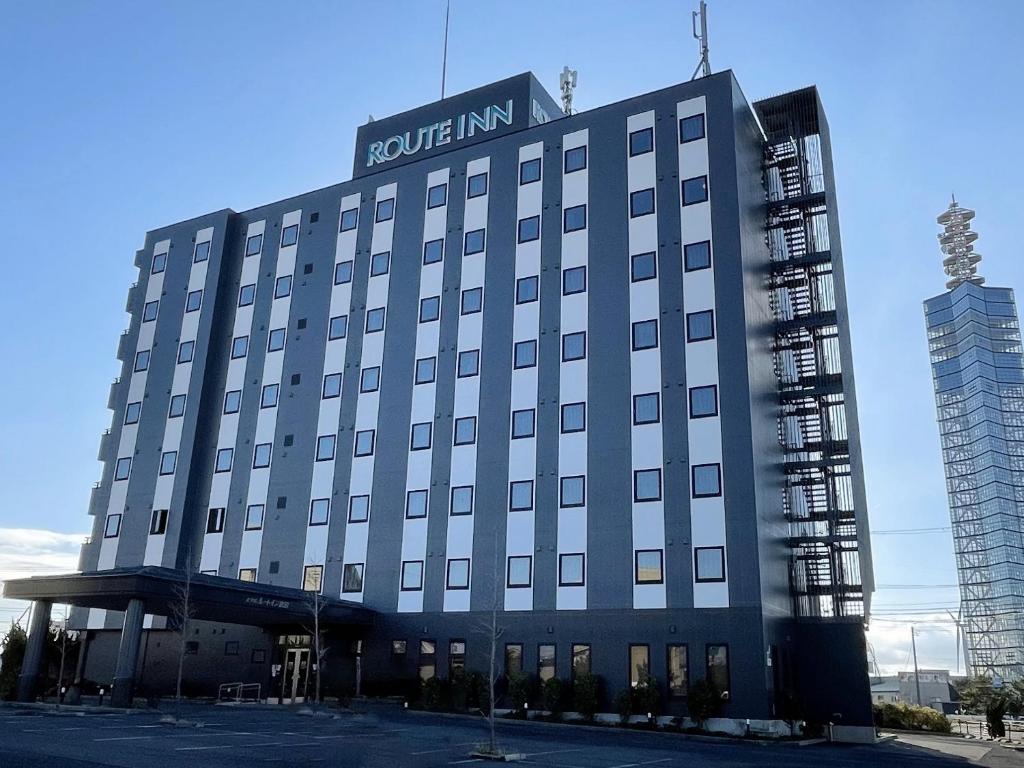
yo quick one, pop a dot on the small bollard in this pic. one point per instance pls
(103, 692)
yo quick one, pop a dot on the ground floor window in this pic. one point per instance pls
(580, 660)
(247, 574)
(545, 662)
(513, 659)
(718, 666)
(428, 659)
(456, 656)
(677, 671)
(639, 663)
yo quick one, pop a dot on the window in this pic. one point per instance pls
(571, 570)
(261, 456)
(529, 229)
(529, 171)
(519, 571)
(575, 159)
(678, 672)
(472, 300)
(369, 379)
(718, 667)
(375, 320)
(469, 363)
(646, 408)
(202, 252)
(433, 251)
(385, 210)
(142, 361)
(426, 370)
(420, 438)
(462, 500)
(645, 335)
(185, 351)
(458, 574)
(159, 263)
(239, 347)
(648, 566)
(437, 196)
(412, 576)
(283, 287)
(254, 517)
(476, 185)
(709, 564)
(149, 311)
(427, 663)
(254, 245)
(700, 326)
(289, 235)
(215, 520)
(639, 664)
(399, 647)
(349, 219)
(513, 659)
(580, 660)
(232, 400)
(379, 263)
(244, 574)
(524, 354)
(475, 240)
(112, 526)
(319, 511)
(364, 442)
(575, 218)
(343, 272)
(545, 662)
(641, 142)
(574, 417)
(703, 401)
(332, 386)
(641, 203)
(574, 346)
(268, 398)
(123, 468)
(430, 309)
(223, 460)
(275, 340)
(520, 495)
(158, 522)
(131, 413)
(523, 423)
(526, 290)
(572, 491)
(574, 281)
(416, 504)
(644, 266)
(465, 430)
(359, 509)
(168, 462)
(691, 128)
(325, 447)
(695, 190)
(246, 295)
(193, 301)
(177, 406)
(697, 255)
(647, 485)
(352, 578)
(312, 578)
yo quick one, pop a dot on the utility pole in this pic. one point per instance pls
(917, 679)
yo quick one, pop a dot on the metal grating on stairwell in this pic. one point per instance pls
(818, 500)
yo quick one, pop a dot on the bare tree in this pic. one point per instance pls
(182, 613)
(63, 633)
(493, 631)
(315, 607)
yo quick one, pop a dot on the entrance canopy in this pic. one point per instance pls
(212, 598)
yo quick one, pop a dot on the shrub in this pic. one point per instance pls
(519, 691)
(10, 660)
(624, 704)
(478, 693)
(646, 696)
(432, 693)
(994, 713)
(586, 695)
(704, 700)
(909, 717)
(552, 692)
(458, 686)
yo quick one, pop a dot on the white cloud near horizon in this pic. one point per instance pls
(34, 552)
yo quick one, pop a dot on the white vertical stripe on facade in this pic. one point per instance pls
(368, 403)
(707, 515)
(572, 381)
(645, 367)
(227, 435)
(459, 543)
(424, 397)
(522, 453)
(322, 481)
(129, 432)
(266, 419)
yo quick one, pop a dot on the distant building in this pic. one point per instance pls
(886, 690)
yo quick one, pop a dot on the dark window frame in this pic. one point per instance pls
(373, 442)
(533, 162)
(346, 222)
(633, 262)
(364, 515)
(430, 436)
(565, 218)
(469, 353)
(431, 203)
(511, 495)
(634, 136)
(661, 488)
(470, 192)
(693, 480)
(384, 210)
(286, 233)
(689, 399)
(426, 503)
(696, 569)
(575, 270)
(691, 120)
(448, 573)
(707, 191)
(686, 251)
(416, 380)
(525, 343)
(634, 197)
(562, 582)
(533, 424)
(636, 566)
(561, 418)
(565, 337)
(561, 492)
(508, 572)
(690, 338)
(566, 170)
(451, 500)
(401, 577)
(455, 430)
(482, 232)
(642, 324)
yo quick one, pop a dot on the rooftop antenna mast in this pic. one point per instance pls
(704, 65)
(444, 60)
(567, 83)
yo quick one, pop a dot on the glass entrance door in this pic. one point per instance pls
(295, 679)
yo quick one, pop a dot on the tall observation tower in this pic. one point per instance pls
(975, 347)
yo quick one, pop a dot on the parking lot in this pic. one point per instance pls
(391, 739)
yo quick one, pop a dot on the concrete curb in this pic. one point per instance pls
(67, 709)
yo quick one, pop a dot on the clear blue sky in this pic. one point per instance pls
(122, 116)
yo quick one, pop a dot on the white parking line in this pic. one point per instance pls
(646, 762)
(446, 749)
(125, 738)
(230, 746)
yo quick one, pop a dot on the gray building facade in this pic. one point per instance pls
(554, 366)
